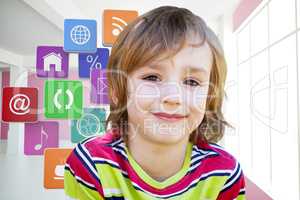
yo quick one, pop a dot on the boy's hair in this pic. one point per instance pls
(164, 31)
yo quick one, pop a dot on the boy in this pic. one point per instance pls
(166, 74)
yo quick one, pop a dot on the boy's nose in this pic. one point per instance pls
(171, 94)
(171, 100)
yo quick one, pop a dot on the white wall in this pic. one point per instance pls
(267, 95)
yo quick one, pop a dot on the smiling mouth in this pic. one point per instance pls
(169, 117)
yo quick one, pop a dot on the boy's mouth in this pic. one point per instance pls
(169, 117)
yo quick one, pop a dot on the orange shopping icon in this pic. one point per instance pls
(54, 164)
(114, 23)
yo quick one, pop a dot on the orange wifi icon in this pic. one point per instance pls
(114, 22)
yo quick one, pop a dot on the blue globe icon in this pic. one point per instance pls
(80, 34)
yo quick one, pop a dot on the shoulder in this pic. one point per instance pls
(226, 159)
(234, 186)
(101, 146)
(222, 158)
(92, 151)
(81, 163)
(215, 158)
(94, 146)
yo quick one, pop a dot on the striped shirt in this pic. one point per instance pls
(102, 168)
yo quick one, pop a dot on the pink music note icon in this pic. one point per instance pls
(40, 145)
(40, 135)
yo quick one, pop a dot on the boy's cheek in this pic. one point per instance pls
(140, 103)
(146, 91)
(143, 105)
(196, 98)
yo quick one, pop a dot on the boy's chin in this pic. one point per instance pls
(166, 138)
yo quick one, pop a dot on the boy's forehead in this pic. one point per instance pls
(195, 56)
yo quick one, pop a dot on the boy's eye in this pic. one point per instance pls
(155, 78)
(151, 78)
(191, 82)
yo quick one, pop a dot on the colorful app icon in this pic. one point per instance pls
(54, 165)
(90, 61)
(52, 61)
(19, 104)
(92, 122)
(99, 90)
(63, 99)
(40, 135)
(114, 23)
(80, 35)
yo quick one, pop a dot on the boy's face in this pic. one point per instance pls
(177, 85)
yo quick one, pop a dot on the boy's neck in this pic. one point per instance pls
(159, 161)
